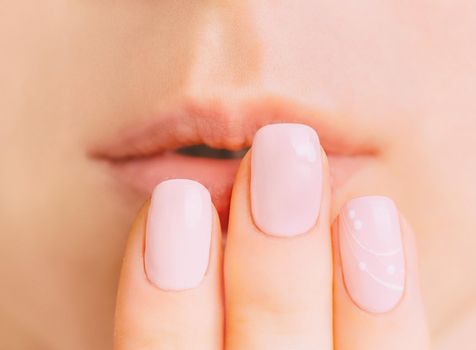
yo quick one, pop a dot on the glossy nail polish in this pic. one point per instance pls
(178, 234)
(286, 179)
(372, 253)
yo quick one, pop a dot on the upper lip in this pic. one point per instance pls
(217, 124)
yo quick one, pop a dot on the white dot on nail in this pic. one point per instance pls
(358, 224)
(390, 269)
(351, 213)
(362, 266)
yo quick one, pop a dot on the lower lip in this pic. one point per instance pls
(143, 174)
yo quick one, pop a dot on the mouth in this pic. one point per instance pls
(206, 141)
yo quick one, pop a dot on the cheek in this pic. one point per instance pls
(347, 58)
(360, 62)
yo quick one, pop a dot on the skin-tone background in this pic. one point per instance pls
(400, 73)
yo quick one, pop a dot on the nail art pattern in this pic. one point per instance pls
(371, 251)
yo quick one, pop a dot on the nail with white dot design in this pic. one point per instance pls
(351, 214)
(371, 253)
(358, 225)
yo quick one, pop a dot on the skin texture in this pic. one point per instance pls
(398, 73)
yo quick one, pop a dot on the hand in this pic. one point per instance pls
(287, 278)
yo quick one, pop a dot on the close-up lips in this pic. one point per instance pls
(206, 141)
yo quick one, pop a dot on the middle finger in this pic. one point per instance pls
(278, 263)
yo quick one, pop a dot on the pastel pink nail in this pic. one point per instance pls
(178, 234)
(286, 179)
(372, 253)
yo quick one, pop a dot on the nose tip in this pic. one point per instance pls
(227, 51)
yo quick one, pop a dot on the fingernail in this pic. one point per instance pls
(286, 179)
(178, 234)
(372, 253)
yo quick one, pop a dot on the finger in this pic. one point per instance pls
(170, 293)
(278, 264)
(377, 302)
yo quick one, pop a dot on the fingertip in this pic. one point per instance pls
(170, 290)
(376, 284)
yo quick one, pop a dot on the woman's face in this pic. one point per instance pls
(89, 88)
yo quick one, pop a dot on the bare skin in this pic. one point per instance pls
(398, 76)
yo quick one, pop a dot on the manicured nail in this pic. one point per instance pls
(286, 179)
(178, 234)
(372, 253)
